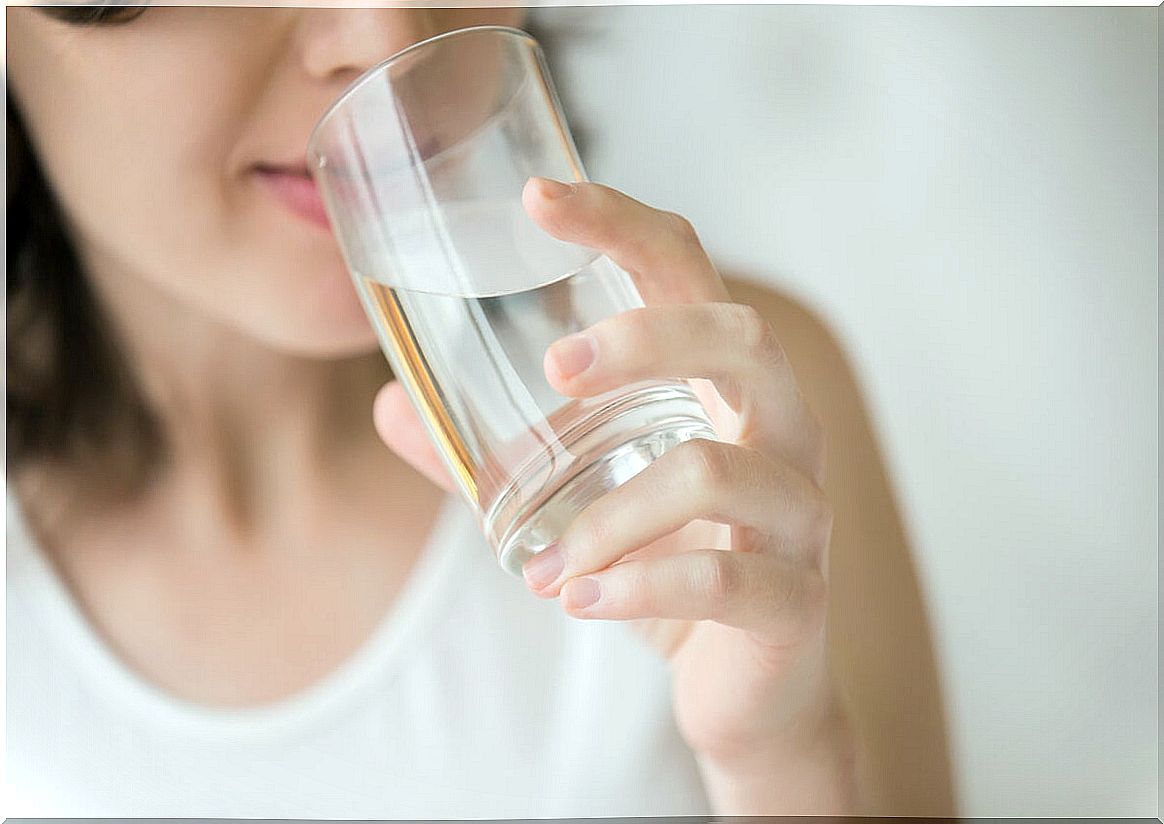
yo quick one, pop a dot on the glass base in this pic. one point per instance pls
(620, 443)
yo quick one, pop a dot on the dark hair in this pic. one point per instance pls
(73, 401)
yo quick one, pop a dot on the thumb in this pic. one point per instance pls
(399, 427)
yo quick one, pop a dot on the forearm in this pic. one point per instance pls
(811, 770)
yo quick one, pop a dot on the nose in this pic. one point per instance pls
(337, 45)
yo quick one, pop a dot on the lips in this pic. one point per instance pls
(293, 187)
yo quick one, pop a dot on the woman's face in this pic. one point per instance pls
(155, 135)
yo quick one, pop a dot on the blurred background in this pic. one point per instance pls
(967, 197)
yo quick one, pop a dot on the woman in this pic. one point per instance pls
(227, 598)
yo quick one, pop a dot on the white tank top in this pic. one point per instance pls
(472, 699)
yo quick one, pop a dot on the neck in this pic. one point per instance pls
(252, 433)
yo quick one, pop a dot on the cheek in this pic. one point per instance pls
(151, 182)
(219, 246)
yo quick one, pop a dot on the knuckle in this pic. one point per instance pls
(752, 330)
(821, 517)
(683, 229)
(719, 581)
(708, 464)
(814, 513)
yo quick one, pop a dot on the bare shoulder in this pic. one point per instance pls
(881, 646)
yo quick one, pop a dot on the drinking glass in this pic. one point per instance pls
(420, 164)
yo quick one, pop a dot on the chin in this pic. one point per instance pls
(325, 319)
(335, 347)
(317, 339)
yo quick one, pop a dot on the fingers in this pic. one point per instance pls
(779, 600)
(659, 249)
(697, 480)
(663, 254)
(767, 487)
(399, 427)
(730, 344)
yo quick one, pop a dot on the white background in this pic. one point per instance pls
(968, 197)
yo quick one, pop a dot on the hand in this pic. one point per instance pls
(743, 628)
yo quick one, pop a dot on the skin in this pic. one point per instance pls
(236, 309)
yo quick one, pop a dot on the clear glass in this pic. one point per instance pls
(421, 164)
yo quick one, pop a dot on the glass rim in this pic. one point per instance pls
(387, 63)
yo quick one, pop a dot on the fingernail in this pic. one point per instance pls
(581, 593)
(553, 189)
(544, 568)
(574, 354)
